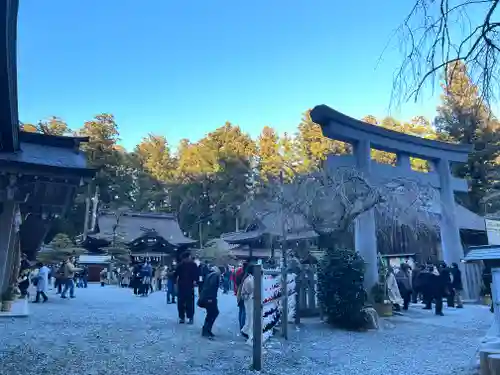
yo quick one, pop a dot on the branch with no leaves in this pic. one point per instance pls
(330, 200)
(437, 33)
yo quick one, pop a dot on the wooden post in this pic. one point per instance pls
(200, 234)
(311, 291)
(87, 209)
(284, 290)
(298, 288)
(95, 202)
(484, 365)
(493, 364)
(284, 269)
(257, 318)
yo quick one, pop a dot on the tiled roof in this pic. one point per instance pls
(45, 155)
(133, 225)
(487, 252)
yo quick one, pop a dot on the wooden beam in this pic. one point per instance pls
(9, 121)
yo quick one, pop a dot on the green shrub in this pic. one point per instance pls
(340, 288)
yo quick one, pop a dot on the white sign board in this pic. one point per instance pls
(493, 231)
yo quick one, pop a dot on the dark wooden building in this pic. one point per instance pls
(153, 236)
(39, 174)
(264, 238)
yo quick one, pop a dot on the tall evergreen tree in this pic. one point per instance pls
(464, 118)
(154, 155)
(313, 147)
(269, 158)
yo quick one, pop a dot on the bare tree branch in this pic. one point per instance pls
(437, 33)
(330, 200)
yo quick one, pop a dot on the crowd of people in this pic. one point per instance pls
(64, 277)
(427, 283)
(180, 280)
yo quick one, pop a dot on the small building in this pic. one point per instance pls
(264, 237)
(156, 237)
(95, 264)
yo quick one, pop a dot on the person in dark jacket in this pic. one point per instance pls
(208, 301)
(136, 278)
(203, 271)
(239, 277)
(424, 282)
(456, 284)
(171, 284)
(415, 273)
(404, 281)
(186, 276)
(440, 283)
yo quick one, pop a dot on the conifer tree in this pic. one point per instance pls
(464, 118)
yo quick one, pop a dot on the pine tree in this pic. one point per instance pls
(59, 249)
(464, 118)
(269, 157)
(313, 147)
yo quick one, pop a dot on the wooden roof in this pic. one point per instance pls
(486, 252)
(134, 225)
(272, 223)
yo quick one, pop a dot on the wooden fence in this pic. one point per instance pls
(307, 296)
(473, 280)
(274, 306)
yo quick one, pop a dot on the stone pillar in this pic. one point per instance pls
(7, 214)
(403, 160)
(495, 299)
(451, 244)
(365, 238)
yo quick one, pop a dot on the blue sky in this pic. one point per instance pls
(183, 68)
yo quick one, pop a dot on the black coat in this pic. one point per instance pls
(186, 275)
(457, 279)
(210, 287)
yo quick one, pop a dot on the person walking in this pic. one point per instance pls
(240, 274)
(42, 283)
(68, 278)
(146, 276)
(457, 284)
(246, 295)
(85, 276)
(404, 280)
(186, 275)
(208, 301)
(103, 276)
(171, 284)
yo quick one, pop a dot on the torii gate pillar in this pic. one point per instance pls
(363, 137)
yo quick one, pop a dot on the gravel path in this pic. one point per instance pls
(108, 331)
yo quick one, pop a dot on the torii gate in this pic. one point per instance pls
(363, 137)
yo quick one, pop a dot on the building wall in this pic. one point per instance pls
(94, 271)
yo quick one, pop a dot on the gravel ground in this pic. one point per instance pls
(108, 331)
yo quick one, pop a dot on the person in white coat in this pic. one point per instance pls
(247, 289)
(42, 283)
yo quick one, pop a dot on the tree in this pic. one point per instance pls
(226, 142)
(216, 254)
(313, 147)
(329, 201)
(419, 126)
(54, 126)
(154, 155)
(29, 128)
(103, 135)
(269, 158)
(59, 249)
(438, 33)
(464, 118)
